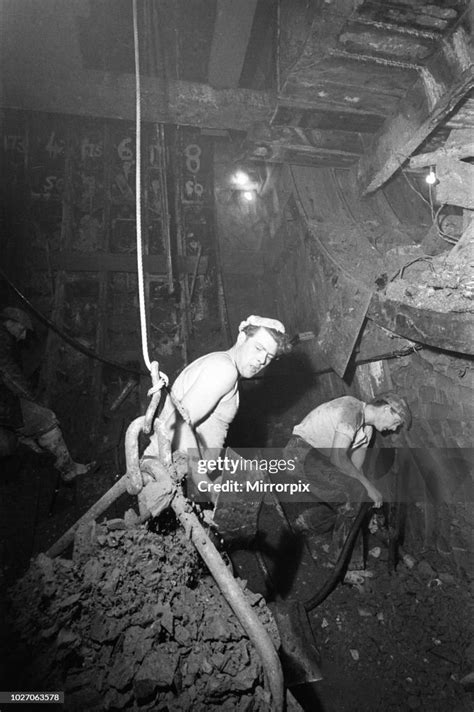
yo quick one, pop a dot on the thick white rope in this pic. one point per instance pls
(138, 191)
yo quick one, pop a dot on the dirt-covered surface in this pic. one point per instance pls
(133, 621)
(400, 641)
(436, 283)
(94, 626)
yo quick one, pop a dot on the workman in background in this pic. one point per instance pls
(21, 417)
(330, 446)
(208, 390)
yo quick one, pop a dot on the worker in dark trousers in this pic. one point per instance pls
(330, 446)
(21, 417)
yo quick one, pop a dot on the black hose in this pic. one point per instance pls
(83, 349)
(346, 551)
(68, 339)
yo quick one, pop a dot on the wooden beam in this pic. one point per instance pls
(42, 69)
(415, 18)
(324, 116)
(443, 330)
(443, 82)
(460, 144)
(111, 96)
(71, 261)
(234, 19)
(307, 32)
(379, 41)
(291, 144)
(298, 156)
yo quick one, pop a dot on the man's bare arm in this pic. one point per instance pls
(358, 456)
(342, 459)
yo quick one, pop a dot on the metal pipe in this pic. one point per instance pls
(227, 584)
(131, 480)
(234, 596)
(119, 488)
(133, 474)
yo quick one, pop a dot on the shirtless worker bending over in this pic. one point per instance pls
(208, 389)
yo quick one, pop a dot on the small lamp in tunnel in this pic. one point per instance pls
(246, 185)
(246, 180)
(431, 177)
(241, 179)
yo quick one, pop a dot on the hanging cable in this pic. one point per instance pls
(138, 191)
(62, 334)
(451, 239)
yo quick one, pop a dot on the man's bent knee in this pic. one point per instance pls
(37, 420)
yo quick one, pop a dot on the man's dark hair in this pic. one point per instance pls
(397, 404)
(282, 340)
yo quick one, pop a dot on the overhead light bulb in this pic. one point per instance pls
(431, 177)
(241, 178)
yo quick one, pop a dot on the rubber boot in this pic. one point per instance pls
(30, 443)
(53, 441)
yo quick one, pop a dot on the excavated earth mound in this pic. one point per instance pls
(134, 621)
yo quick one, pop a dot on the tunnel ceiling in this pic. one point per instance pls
(321, 82)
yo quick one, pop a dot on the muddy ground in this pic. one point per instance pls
(400, 642)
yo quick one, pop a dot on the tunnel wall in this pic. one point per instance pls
(262, 259)
(437, 385)
(68, 243)
(439, 388)
(267, 265)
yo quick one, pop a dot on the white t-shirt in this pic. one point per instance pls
(343, 415)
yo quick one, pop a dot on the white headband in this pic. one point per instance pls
(254, 320)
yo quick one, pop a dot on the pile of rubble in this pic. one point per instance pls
(443, 287)
(134, 621)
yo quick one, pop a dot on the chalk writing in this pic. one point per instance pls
(193, 188)
(125, 150)
(193, 153)
(14, 142)
(90, 149)
(53, 147)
